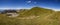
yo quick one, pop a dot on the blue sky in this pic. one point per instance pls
(26, 4)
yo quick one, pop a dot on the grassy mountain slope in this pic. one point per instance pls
(46, 17)
(36, 11)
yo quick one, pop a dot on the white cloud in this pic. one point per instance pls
(56, 9)
(29, 1)
(52, 8)
(4, 8)
(8, 8)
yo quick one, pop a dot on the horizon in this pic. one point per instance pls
(31, 8)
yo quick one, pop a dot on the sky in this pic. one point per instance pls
(27, 4)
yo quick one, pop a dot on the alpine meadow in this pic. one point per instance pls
(33, 16)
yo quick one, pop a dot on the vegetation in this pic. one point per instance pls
(46, 17)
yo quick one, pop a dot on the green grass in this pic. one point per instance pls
(36, 11)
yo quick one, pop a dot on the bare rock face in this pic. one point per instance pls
(12, 14)
(8, 11)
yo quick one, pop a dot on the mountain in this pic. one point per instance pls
(36, 11)
(33, 16)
